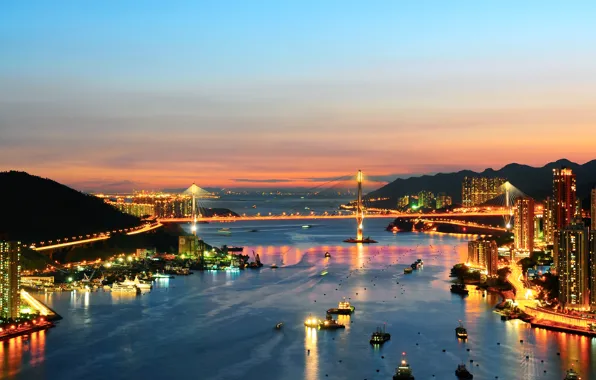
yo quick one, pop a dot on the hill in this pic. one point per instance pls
(34, 208)
(533, 181)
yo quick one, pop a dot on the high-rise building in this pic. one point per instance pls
(564, 194)
(572, 262)
(403, 202)
(548, 220)
(524, 224)
(443, 200)
(593, 209)
(10, 279)
(477, 190)
(426, 199)
(484, 253)
(592, 274)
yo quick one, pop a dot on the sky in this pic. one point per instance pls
(155, 94)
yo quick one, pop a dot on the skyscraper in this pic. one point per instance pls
(524, 224)
(564, 193)
(426, 199)
(484, 253)
(477, 190)
(593, 208)
(548, 220)
(592, 274)
(572, 260)
(10, 279)
(443, 200)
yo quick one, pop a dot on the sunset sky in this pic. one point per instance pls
(160, 94)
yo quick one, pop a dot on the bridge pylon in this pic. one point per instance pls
(359, 215)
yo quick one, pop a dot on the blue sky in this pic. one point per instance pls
(90, 90)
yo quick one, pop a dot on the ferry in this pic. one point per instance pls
(312, 322)
(330, 324)
(142, 284)
(125, 288)
(572, 375)
(225, 231)
(459, 289)
(380, 336)
(307, 226)
(462, 372)
(404, 371)
(343, 308)
(461, 331)
(408, 270)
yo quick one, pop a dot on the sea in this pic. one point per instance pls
(221, 325)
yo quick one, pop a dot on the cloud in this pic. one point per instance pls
(270, 180)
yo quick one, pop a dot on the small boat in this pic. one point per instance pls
(571, 375)
(380, 336)
(307, 226)
(404, 371)
(343, 308)
(254, 206)
(330, 324)
(462, 372)
(253, 231)
(461, 331)
(312, 322)
(273, 266)
(162, 275)
(408, 270)
(459, 289)
(279, 325)
(327, 255)
(225, 231)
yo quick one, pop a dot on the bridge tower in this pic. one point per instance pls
(194, 191)
(359, 215)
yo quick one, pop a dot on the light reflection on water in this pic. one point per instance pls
(224, 320)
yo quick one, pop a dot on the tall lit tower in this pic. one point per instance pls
(10, 279)
(572, 260)
(194, 191)
(564, 194)
(359, 209)
(524, 224)
(593, 209)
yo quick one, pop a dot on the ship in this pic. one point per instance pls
(327, 255)
(404, 371)
(343, 308)
(162, 275)
(459, 289)
(408, 270)
(312, 322)
(142, 284)
(125, 287)
(274, 266)
(461, 331)
(225, 231)
(462, 372)
(330, 324)
(380, 336)
(572, 375)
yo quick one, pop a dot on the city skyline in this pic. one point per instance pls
(222, 95)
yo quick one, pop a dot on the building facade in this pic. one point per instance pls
(592, 273)
(443, 200)
(523, 212)
(10, 279)
(564, 194)
(484, 253)
(593, 208)
(548, 221)
(426, 199)
(572, 262)
(477, 190)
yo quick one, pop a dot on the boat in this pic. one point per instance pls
(279, 325)
(380, 336)
(571, 375)
(273, 266)
(142, 285)
(118, 287)
(343, 308)
(312, 322)
(459, 289)
(162, 275)
(254, 206)
(253, 231)
(307, 226)
(327, 255)
(225, 231)
(461, 331)
(404, 371)
(408, 270)
(462, 372)
(330, 324)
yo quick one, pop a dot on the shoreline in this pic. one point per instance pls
(19, 332)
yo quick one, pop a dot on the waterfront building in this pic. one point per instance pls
(426, 199)
(572, 262)
(477, 190)
(189, 245)
(593, 208)
(139, 210)
(10, 279)
(443, 200)
(548, 221)
(485, 254)
(524, 224)
(403, 202)
(564, 194)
